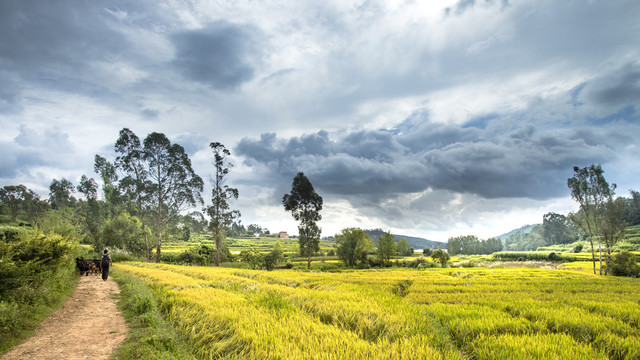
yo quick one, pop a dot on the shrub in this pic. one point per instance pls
(578, 248)
(625, 264)
(553, 257)
(440, 256)
(36, 273)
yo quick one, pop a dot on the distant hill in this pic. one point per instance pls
(525, 229)
(414, 242)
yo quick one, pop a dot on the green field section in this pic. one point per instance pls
(460, 313)
(236, 245)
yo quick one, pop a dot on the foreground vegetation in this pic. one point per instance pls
(36, 275)
(463, 313)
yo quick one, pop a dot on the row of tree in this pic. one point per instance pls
(353, 247)
(147, 189)
(471, 245)
(601, 215)
(237, 230)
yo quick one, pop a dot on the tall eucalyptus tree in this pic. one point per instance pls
(172, 186)
(220, 212)
(305, 205)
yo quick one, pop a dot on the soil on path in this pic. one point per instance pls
(88, 326)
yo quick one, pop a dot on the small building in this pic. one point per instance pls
(283, 235)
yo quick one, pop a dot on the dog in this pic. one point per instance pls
(83, 266)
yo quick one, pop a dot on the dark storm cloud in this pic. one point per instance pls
(39, 34)
(619, 88)
(377, 164)
(219, 55)
(53, 45)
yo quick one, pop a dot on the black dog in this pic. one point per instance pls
(83, 266)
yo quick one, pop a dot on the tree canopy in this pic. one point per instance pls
(305, 205)
(352, 246)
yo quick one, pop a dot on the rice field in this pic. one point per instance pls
(263, 245)
(462, 313)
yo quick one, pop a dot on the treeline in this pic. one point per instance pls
(471, 245)
(560, 229)
(238, 230)
(355, 248)
(146, 191)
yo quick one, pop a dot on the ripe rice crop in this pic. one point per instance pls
(476, 313)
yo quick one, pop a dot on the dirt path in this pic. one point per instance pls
(88, 326)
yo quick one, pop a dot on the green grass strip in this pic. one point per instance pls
(150, 335)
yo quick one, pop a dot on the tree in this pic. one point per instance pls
(440, 256)
(172, 185)
(16, 198)
(108, 174)
(352, 246)
(252, 257)
(492, 245)
(124, 232)
(386, 248)
(305, 206)
(613, 225)
(632, 212)
(60, 194)
(220, 213)
(135, 182)
(403, 247)
(274, 257)
(237, 229)
(591, 190)
(558, 229)
(454, 245)
(90, 210)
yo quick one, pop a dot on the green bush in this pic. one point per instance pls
(36, 273)
(625, 264)
(553, 257)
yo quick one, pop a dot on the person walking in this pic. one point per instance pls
(105, 264)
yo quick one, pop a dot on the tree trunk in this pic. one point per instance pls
(146, 242)
(159, 250)
(600, 257)
(593, 255)
(218, 243)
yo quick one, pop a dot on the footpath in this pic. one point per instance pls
(88, 326)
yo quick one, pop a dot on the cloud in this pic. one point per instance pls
(463, 5)
(219, 55)
(617, 88)
(521, 163)
(32, 148)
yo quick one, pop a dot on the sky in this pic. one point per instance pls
(431, 118)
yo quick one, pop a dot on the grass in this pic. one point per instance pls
(150, 335)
